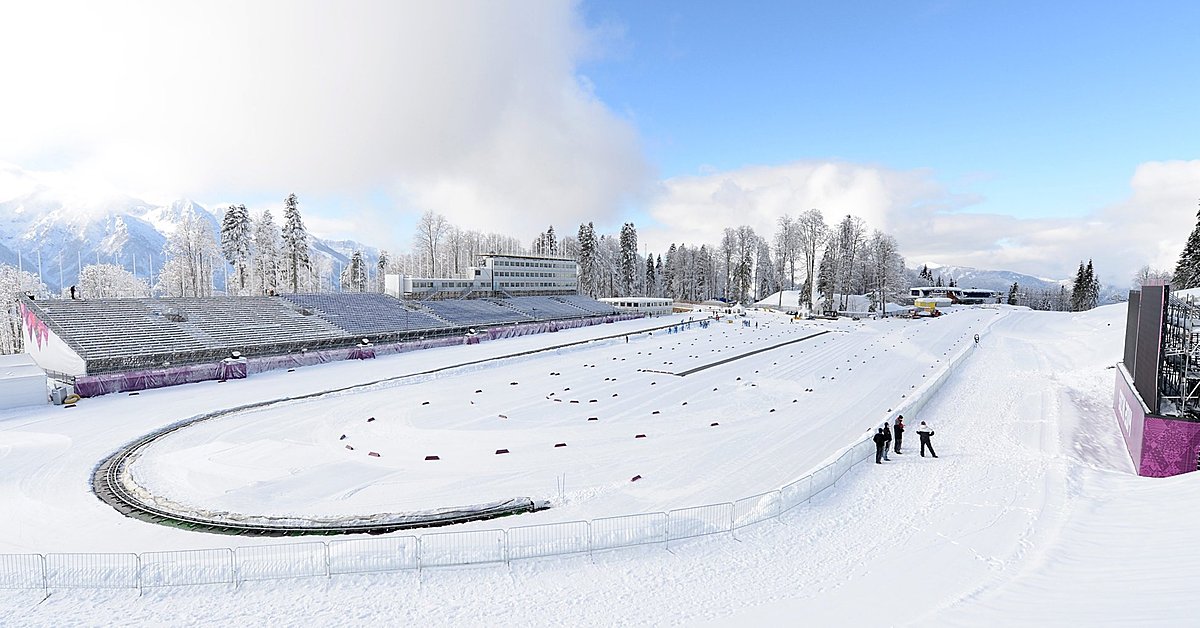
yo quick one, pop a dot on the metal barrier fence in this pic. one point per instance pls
(442, 549)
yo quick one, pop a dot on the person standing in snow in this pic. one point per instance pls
(880, 443)
(899, 431)
(887, 440)
(924, 431)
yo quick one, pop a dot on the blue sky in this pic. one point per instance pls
(1042, 109)
(1017, 135)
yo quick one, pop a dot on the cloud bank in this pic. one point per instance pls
(471, 108)
(934, 224)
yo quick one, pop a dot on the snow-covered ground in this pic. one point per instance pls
(1030, 516)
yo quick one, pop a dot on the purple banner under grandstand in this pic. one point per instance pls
(95, 385)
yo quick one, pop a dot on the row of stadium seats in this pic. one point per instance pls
(116, 331)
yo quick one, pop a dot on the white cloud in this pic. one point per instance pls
(934, 224)
(470, 108)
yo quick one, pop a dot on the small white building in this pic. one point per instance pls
(640, 305)
(22, 382)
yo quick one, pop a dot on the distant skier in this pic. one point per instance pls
(880, 443)
(976, 338)
(924, 431)
(72, 292)
(899, 431)
(887, 440)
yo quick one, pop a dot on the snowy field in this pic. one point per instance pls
(1031, 515)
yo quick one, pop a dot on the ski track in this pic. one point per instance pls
(998, 530)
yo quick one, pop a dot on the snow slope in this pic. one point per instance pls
(1030, 516)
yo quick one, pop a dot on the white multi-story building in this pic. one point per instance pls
(512, 275)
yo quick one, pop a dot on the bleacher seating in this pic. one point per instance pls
(474, 312)
(107, 328)
(543, 308)
(586, 304)
(116, 335)
(367, 314)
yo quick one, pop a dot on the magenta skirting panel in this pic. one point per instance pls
(1159, 446)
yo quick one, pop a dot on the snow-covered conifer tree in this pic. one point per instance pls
(297, 262)
(236, 245)
(381, 267)
(587, 259)
(628, 259)
(1187, 269)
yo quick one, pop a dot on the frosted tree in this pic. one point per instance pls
(297, 264)
(847, 243)
(651, 281)
(669, 275)
(1150, 276)
(431, 229)
(766, 277)
(787, 250)
(587, 260)
(354, 276)
(1187, 269)
(629, 259)
(381, 270)
(885, 269)
(266, 254)
(1014, 292)
(827, 280)
(546, 243)
(811, 236)
(658, 273)
(190, 255)
(745, 248)
(106, 281)
(236, 243)
(13, 283)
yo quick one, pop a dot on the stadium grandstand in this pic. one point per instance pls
(111, 345)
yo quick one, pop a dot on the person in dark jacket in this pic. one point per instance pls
(899, 431)
(924, 431)
(887, 440)
(880, 443)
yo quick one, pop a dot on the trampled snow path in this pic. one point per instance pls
(1029, 517)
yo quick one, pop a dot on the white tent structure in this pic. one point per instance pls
(22, 382)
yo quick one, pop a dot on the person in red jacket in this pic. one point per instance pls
(898, 431)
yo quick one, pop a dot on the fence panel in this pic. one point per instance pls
(758, 508)
(686, 523)
(92, 571)
(554, 539)
(393, 553)
(471, 547)
(843, 464)
(822, 479)
(22, 571)
(171, 569)
(795, 493)
(630, 530)
(274, 562)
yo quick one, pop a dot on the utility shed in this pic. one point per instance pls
(22, 382)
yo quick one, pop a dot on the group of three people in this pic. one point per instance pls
(883, 439)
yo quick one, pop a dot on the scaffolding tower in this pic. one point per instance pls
(1179, 374)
